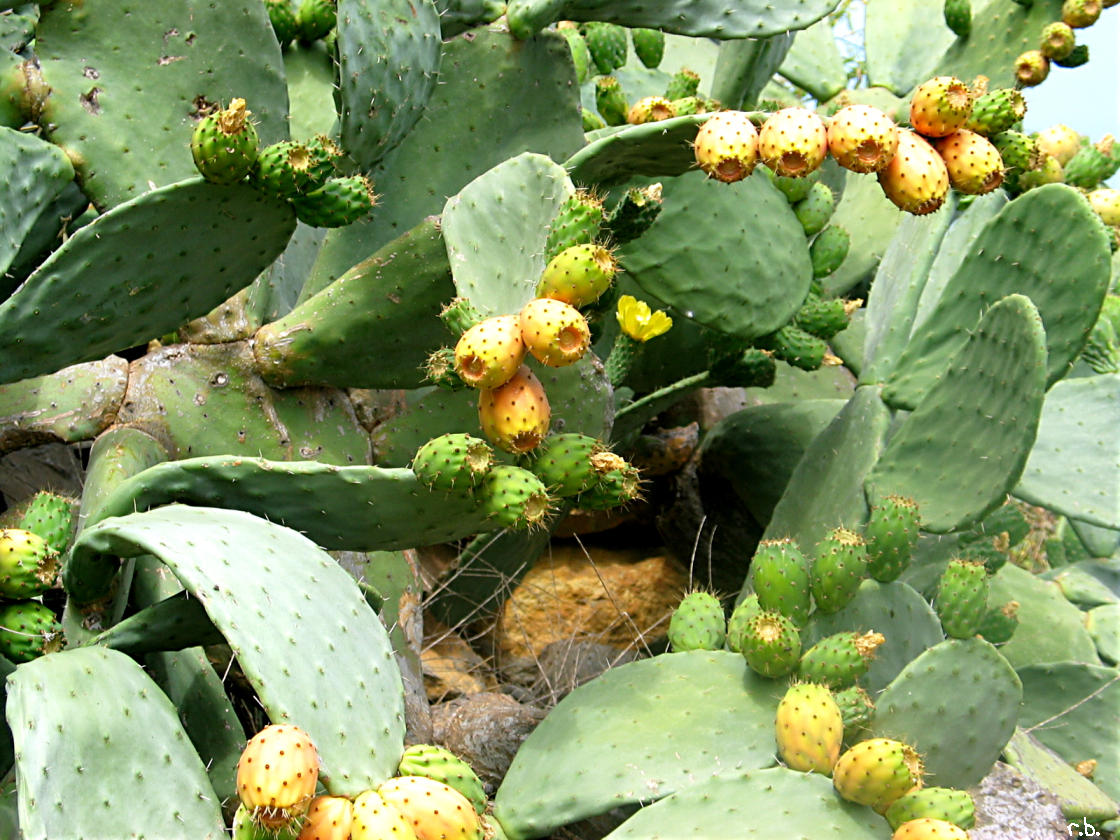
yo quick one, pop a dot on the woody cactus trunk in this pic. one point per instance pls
(225, 331)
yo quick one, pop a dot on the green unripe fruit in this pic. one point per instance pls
(284, 169)
(513, 497)
(439, 370)
(247, 827)
(771, 644)
(635, 212)
(794, 189)
(829, 250)
(581, 55)
(1058, 40)
(611, 101)
(591, 120)
(954, 806)
(339, 202)
(578, 275)
(838, 568)
(51, 517)
(459, 315)
(996, 111)
(565, 463)
(224, 144)
(1092, 164)
(779, 575)
(688, 105)
(815, 209)
(28, 630)
(283, 19)
(28, 564)
(607, 44)
(316, 18)
(822, 317)
(809, 729)
(962, 598)
(856, 708)
(698, 623)
(577, 222)
(649, 46)
(840, 659)
(753, 368)
(877, 772)
(958, 17)
(1017, 150)
(684, 83)
(796, 347)
(891, 536)
(747, 609)
(325, 155)
(433, 762)
(1000, 623)
(619, 484)
(454, 461)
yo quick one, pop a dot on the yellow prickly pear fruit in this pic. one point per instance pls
(328, 818)
(578, 275)
(376, 819)
(1060, 141)
(276, 775)
(726, 146)
(809, 728)
(940, 106)
(434, 810)
(862, 138)
(489, 353)
(650, 109)
(877, 772)
(916, 180)
(515, 416)
(974, 164)
(793, 142)
(928, 828)
(554, 332)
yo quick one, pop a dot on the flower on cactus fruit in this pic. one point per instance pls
(638, 322)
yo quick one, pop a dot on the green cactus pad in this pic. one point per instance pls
(653, 149)
(86, 723)
(250, 574)
(160, 277)
(814, 62)
(602, 754)
(174, 623)
(36, 172)
(956, 686)
(649, 45)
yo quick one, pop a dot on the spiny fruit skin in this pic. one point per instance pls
(1059, 140)
(771, 644)
(822, 317)
(839, 566)
(490, 353)
(726, 146)
(610, 100)
(328, 818)
(698, 623)
(829, 250)
(337, 203)
(316, 18)
(1047, 171)
(840, 659)
(1018, 150)
(376, 819)
(607, 43)
(649, 46)
(815, 209)
(28, 564)
(28, 630)
(746, 609)
(876, 772)
(1092, 164)
(862, 138)
(577, 222)
(684, 83)
(283, 19)
(276, 774)
(564, 463)
(554, 332)
(325, 155)
(809, 729)
(578, 275)
(958, 17)
(916, 180)
(1057, 41)
(793, 142)
(974, 164)
(1032, 68)
(928, 829)
(1106, 204)
(779, 574)
(1081, 13)
(434, 810)
(283, 169)
(453, 461)
(891, 535)
(52, 517)
(441, 764)
(953, 806)
(996, 111)
(940, 106)
(796, 347)
(224, 144)
(245, 827)
(515, 416)
(962, 598)
(513, 497)
(650, 109)
(617, 486)
(856, 707)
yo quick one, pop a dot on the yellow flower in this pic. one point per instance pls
(638, 322)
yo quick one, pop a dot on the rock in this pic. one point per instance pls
(564, 666)
(485, 730)
(1009, 806)
(451, 666)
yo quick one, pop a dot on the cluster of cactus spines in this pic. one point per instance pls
(698, 623)
(809, 728)
(876, 772)
(276, 776)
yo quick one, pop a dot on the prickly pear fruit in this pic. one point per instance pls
(649, 46)
(828, 251)
(862, 138)
(460, 314)
(726, 146)
(746, 609)
(28, 564)
(855, 709)
(1047, 171)
(822, 317)
(698, 623)
(515, 416)
(962, 598)
(577, 222)
(1081, 13)
(1018, 150)
(564, 463)
(283, 19)
(328, 818)
(815, 209)
(753, 368)
(928, 829)
(1057, 41)
(1059, 140)
(779, 575)
(52, 517)
(650, 109)
(796, 347)
(1092, 164)
(224, 144)
(554, 332)
(686, 106)
(28, 629)
(958, 17)
(607, 43)
(1032, 68)
(838, 568)
(684, 83)
(578, 275)
(513, 497)
(941, 803)
(376, 819)
(996, 111)
(276, 775)
(891, 535)
(434, 810)
(619, 483)
(1106, 204)
(316, 18)
(444, 766)
(794, 189)
(337, 203)
(610, 100)
(453, 461)
(809, 729)
(916, 179)
(940, 106)
(974, 164)
(771, 644)
(490, 353)
(635, 212)
(793, 142)
(877, 772)
(283, 169)
(840, 659)
(325, 155)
